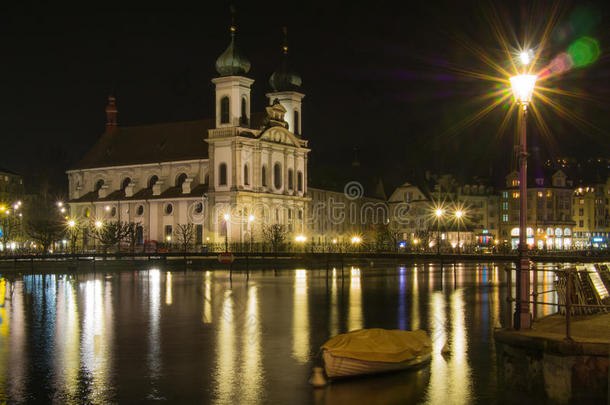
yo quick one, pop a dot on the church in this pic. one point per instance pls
(229, 176)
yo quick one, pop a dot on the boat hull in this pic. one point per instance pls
(338, 367)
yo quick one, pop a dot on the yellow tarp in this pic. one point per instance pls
(392, 346)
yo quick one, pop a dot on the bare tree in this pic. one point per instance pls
(275, 235)
(44, 224)
(110, 233)
(130, 231)
(185, 235)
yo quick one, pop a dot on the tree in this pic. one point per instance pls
(275, 235)
(130, 231)
(44, 224)
(110, 233)
(185, 235)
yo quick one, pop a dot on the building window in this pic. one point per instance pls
(505, 218)
(113, 212)
(198, 208)
(222, 174)
(180, 179)
(246, 175)
(169, 209)
(125, 183)
(581, 223)
(299, 181)
(505, 194)
(168, 232)
(243, 119)
(296, 122)
(152, 181)
(140, 210)
(224, 110)
(277, 176)
(199, 234)
(264, 176)
(505, 205)
(290, 179)
(98, 185)
(581, 212)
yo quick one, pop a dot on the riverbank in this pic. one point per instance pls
(544, 362)
(245, 260)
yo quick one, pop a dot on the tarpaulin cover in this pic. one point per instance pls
(391, 346)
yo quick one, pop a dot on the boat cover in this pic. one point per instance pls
(385, 345)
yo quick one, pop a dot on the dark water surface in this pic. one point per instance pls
(196, 337)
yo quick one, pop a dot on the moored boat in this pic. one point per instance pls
(371, 351)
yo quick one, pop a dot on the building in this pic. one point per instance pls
(229, 175)
(11, 186)
(591, 206)
(549, 210)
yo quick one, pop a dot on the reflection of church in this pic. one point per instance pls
(230, 174)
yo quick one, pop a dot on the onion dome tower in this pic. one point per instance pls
(232, 87)
(286, 87)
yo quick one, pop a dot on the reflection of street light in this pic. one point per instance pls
(523, 90)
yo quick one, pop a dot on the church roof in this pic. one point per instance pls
(232, 62)
(144, 194)
(155, 143)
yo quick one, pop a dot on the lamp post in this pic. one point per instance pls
(250, 220)
(458, 216)
(438, 213)
(226, 218)
(523, 89)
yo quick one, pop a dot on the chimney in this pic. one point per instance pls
(111, 114)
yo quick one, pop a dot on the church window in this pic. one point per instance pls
(224, 110)
(290, 179)
(140, 210)
(169, 209)
(125, 183)
(264, 176)
(113, 212)
(180, 179)
(98, 185)
(277, 176)
(222, 174)
(246, 175)
(198, 208)
(243, 120)
(152, 181)
(299, 181)
(296, 122)
(206, 179)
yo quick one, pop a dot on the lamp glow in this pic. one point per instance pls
(71, 223)
(459, 214)
(226, 217)
(98, 224)
(356, 239)
(439, 212)
(251, 218)
(525, 57)
(523, 88)
(300, 238)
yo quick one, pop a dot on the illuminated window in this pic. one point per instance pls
(505, 194)
(515, 182)
(505, 218)
(515, 195)
(505, 206)
(549, 193)
(540, 194)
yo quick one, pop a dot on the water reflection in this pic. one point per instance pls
(354, 317)
(86, 338)
(300, 318)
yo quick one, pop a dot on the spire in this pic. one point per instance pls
(111, 114)
(284, 79)
(232, 62)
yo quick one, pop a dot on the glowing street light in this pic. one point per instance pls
(98, 224)
(300, 238)
(71, 223)
(356, 239)
(523, 91)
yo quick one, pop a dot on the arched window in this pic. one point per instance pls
(290, 179)
(296, 122)
(224, 110)
(246, 175)
(206, 179)
(264, 176)
(277, 176)
(98, 185)
(125, 183)
(299, 181)
(153, 180)
(222, 174)
(180, 179)
(243, 119)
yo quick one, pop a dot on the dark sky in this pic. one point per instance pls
(378, 76)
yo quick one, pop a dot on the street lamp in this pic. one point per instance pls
(250, 220)
(439, 212)
(226, 218)
(523, 90)
(458, 216)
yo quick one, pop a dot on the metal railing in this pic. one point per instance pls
(569, 307)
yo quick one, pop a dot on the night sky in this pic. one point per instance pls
(378, 76)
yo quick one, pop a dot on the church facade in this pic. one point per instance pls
(229, 176)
